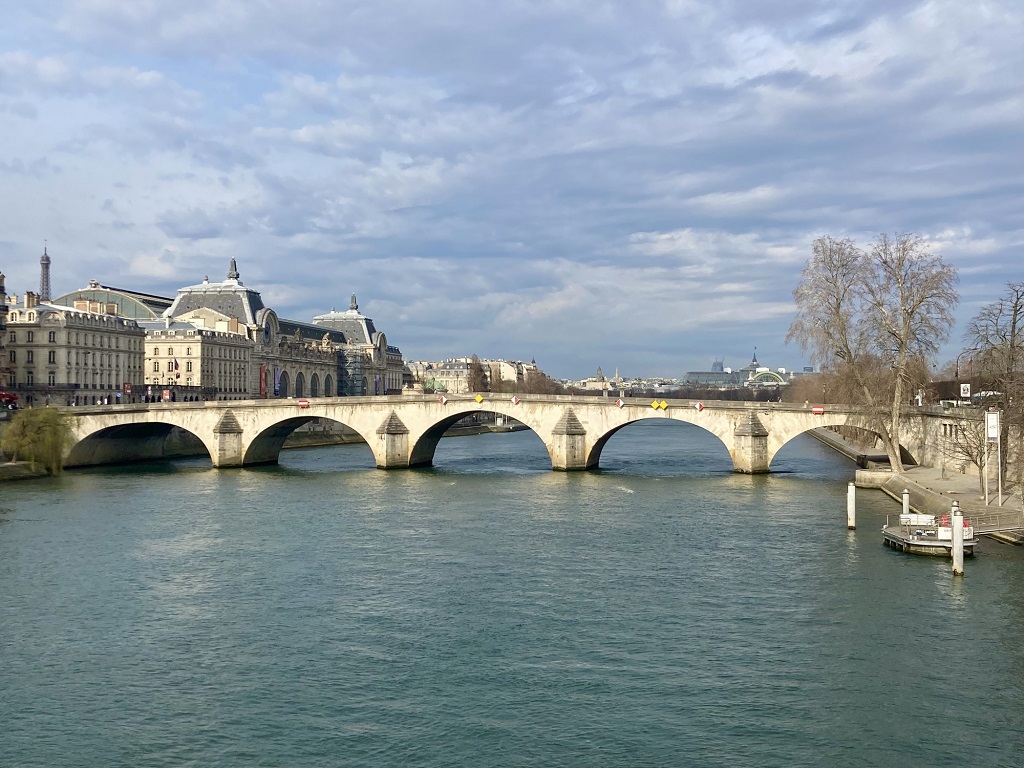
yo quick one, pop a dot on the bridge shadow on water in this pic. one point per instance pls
(650, 448)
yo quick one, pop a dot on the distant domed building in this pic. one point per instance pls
(371, 365)
(217, 340)
(752, 374)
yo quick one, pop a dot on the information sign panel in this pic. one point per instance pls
(992, 426)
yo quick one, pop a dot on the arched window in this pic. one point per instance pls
(314, 386)
(329, 386)
(300, 385)
(283, 385)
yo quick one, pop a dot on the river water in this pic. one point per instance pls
(662, 611)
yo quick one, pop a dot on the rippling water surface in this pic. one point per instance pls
(490, 612)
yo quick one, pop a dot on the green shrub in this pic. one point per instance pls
(38, 435)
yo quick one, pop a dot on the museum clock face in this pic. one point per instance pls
(266, 334)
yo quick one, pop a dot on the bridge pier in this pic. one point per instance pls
(227, 442)
(568, 444)
(750, 452)
(391, 450)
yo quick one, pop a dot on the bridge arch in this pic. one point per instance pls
(782, 438)
(425, 444)
(140, 440)
(594, 457)
(265, 447)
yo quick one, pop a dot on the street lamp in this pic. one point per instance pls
(969, 363)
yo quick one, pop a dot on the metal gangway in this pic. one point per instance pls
(995, 519)
(984, 518)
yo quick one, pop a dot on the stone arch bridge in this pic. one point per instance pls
(404, 431)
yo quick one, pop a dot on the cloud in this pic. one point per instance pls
(570, 180)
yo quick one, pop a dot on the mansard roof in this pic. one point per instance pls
(230, 298)
(309, 331)
(356, 326)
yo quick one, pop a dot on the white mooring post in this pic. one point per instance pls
(906, 501)
(851, 507)
(957, 520)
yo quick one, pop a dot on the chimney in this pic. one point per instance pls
(31, 299)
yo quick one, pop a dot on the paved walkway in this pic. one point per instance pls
(933, 493)
(965, 489)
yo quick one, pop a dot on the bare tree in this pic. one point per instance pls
(873, 318)
(964, 442)
(996, 338)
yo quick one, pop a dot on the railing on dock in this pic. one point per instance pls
(994, 520)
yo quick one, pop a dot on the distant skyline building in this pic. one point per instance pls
(752, 374)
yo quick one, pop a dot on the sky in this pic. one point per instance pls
(631, 185)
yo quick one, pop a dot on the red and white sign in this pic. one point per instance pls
(167, 395)
(699, 406)
(619, 403)
(817, 410)
(515, 400)
(302, 402)
(965, 391)
(442, 399)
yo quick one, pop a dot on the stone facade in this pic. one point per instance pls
(3, 332)
(71, 356)
(368, 365)
(196, 363)
(228, 345)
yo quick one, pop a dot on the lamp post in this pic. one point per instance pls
(970, 365)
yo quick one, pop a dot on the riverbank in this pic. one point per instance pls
(932, 490)
(20, 470)
(866, 458)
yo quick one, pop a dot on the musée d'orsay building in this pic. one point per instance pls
(212, 341)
